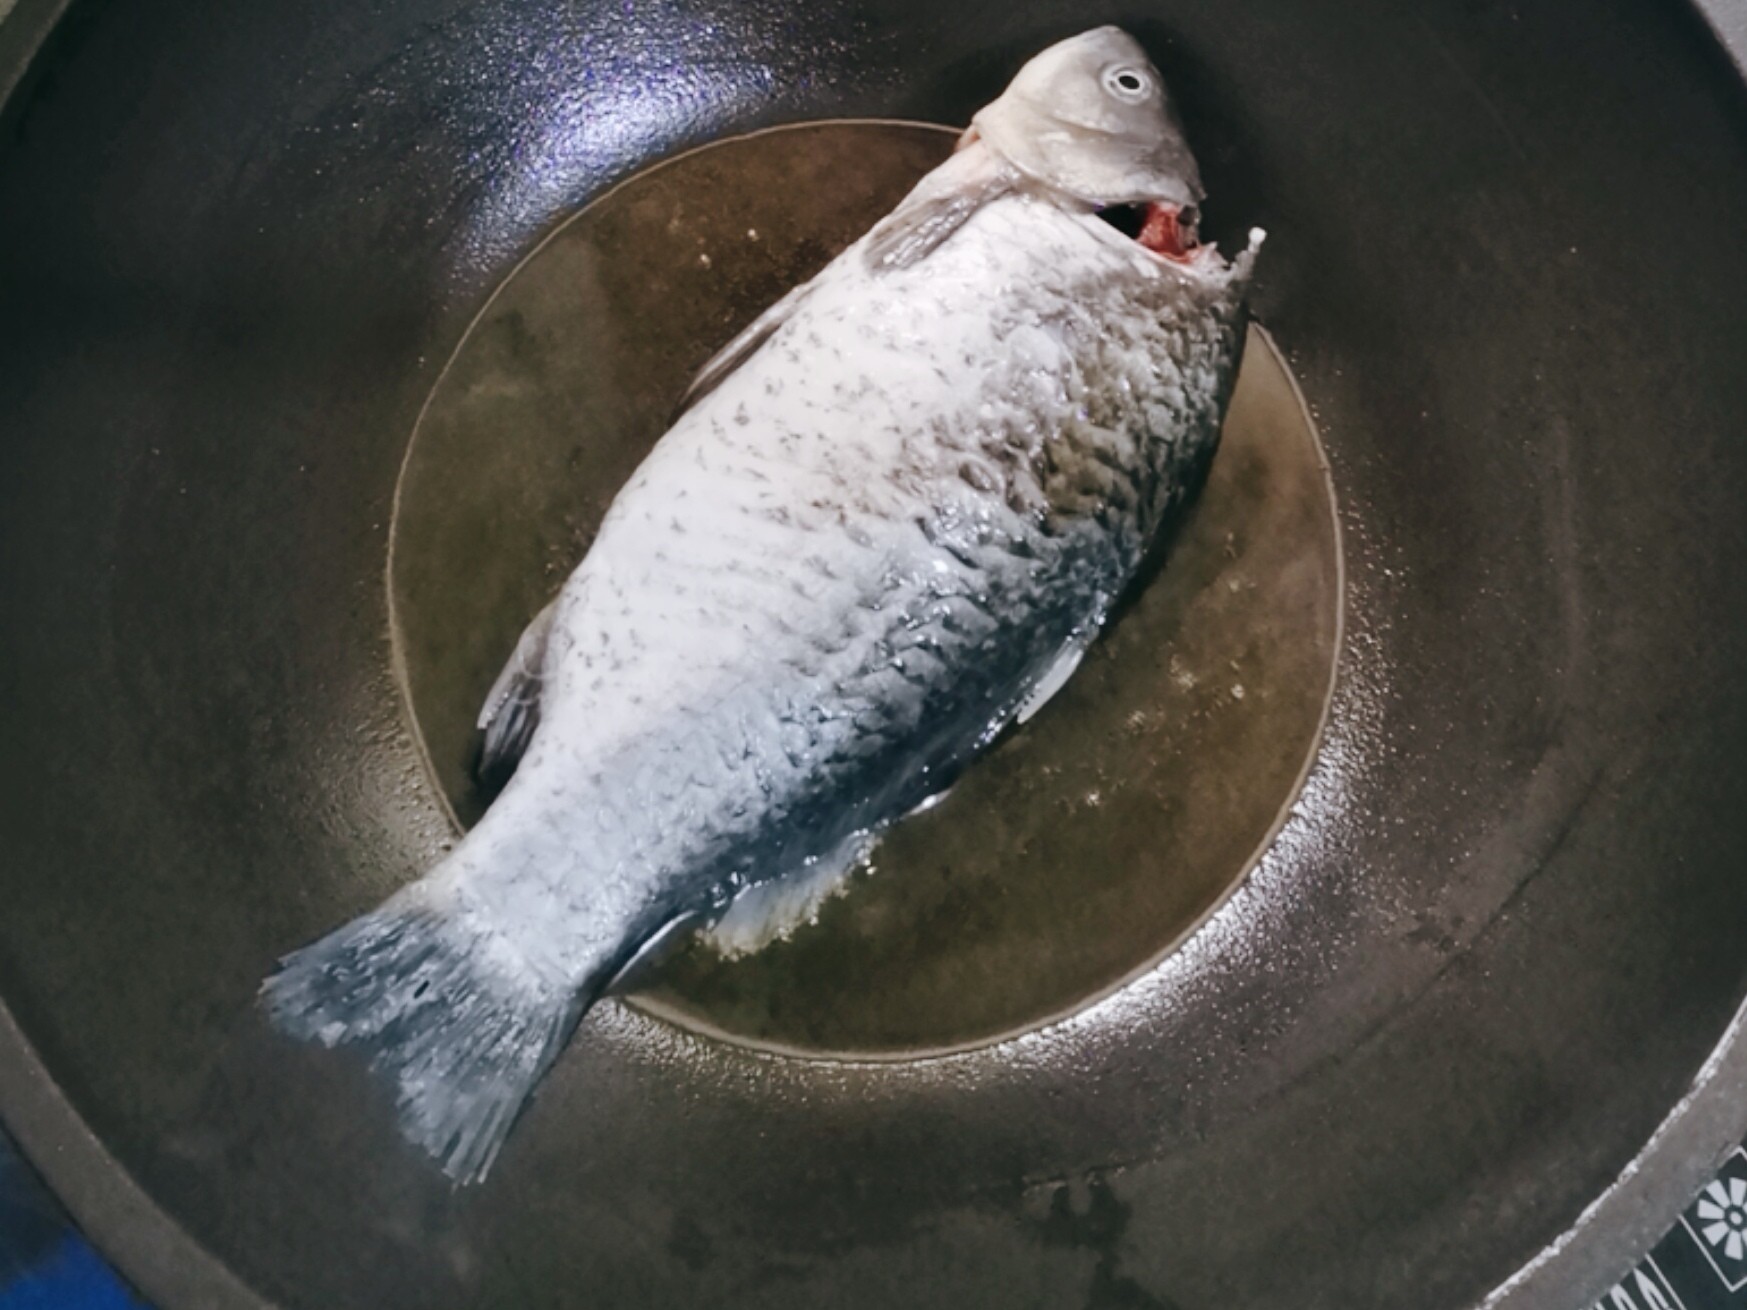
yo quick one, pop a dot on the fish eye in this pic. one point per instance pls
(1126, 82)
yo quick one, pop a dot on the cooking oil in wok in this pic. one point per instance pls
(1088, 841)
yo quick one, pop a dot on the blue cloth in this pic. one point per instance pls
(44, 1263)
(71, 1277)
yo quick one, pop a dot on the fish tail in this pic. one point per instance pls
(445, 1008)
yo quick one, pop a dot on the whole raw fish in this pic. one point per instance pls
(898, 508)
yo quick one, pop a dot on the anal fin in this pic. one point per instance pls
(648, 958)
(1054, 679)
(771, 911)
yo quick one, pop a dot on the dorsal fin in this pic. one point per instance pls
(741, 348)
(512, 707)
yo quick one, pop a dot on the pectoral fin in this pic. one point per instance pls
(941, 204)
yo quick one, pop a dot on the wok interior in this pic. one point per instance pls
(1492, 945)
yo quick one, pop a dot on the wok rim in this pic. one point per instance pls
(173, 1270)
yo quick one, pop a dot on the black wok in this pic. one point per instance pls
(1491, 965)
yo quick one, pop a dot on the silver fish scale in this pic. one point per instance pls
(836, 577)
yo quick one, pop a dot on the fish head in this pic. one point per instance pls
(1090, 119)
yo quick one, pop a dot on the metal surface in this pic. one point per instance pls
(1490, 952)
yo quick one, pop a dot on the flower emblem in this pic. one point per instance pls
(1723, 1211)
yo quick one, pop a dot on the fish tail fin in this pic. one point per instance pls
(445, 1008)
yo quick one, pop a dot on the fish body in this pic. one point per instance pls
(896, 511)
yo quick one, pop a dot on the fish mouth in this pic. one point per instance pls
(1167, 230)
